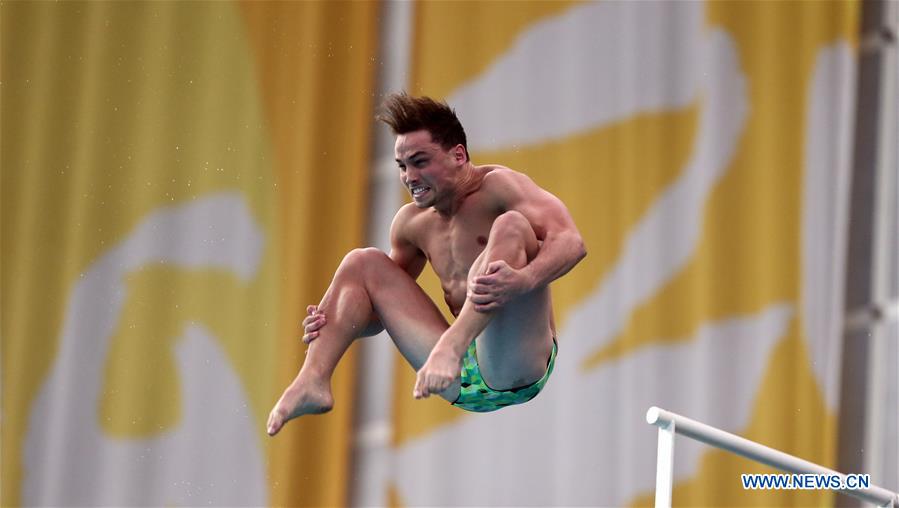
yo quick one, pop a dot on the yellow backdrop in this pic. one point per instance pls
(124, 118)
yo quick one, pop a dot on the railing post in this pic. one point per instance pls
(665, 465)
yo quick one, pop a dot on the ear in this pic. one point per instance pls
(459, 155)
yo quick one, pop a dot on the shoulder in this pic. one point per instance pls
(404, 221)
(495, 174)
(506, 184)
(406, 212)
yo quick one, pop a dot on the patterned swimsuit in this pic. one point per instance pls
(476, 396)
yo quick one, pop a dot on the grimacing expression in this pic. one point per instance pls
(426, 169)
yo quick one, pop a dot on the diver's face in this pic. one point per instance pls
(427, 171)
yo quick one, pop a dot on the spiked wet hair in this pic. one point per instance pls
(404, 114)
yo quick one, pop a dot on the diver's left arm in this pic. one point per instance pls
(561, 244)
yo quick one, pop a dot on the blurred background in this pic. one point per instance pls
(180, 179)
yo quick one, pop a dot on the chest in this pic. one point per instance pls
(453, 244)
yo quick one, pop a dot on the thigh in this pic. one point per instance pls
(515, 346)
(410, 317)
(407, 313)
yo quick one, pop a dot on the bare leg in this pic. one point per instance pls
(367, 281)
(516, 343)
(513, 341)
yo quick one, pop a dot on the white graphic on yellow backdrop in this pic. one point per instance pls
(583, 69)
(828, 149)
(141, 339)
(584, 440)
(78, 463)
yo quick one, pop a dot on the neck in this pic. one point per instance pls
(468, 181)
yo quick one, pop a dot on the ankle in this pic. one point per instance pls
(311, 380)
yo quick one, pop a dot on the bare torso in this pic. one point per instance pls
(513, 348)
(451, 244)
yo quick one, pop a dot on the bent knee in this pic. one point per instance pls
(358, 259)
(511, 222)
(515, 227)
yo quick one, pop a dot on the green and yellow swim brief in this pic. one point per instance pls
(476, 396)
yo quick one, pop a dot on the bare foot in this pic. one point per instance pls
(299, 400)
(437, 374)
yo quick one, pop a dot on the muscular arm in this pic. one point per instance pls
(403, 251)
(561, 244)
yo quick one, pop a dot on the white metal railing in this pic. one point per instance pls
(670, 424)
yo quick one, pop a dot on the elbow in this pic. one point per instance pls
(580, 249)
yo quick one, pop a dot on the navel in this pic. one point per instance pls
(482, 240)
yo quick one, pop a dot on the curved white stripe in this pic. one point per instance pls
(214, 455)
(662, 243)
(825, 211)
(585, 68)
